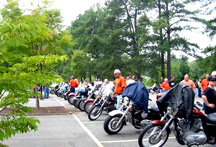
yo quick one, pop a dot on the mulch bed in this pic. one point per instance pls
(47, 111)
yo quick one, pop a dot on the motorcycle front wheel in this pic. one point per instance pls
(95, 113)
(149, 136)
(81, 105)
(110, 124)
(87, 107)
(71, 99)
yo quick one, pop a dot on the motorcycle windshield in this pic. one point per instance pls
(181, 98)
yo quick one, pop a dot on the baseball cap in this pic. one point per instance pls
(117, 71)
(211, 78)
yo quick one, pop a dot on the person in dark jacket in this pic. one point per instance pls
(172, 82)
(209, 96)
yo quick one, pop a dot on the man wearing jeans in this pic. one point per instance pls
(120, 84)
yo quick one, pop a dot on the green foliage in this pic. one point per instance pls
(80, 64)
(30, 49)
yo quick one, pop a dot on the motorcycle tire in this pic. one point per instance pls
(94, 113)
(71, 99)
(110, 122)
(75, 103)
(65, 97)
(81, 105)
(87, 107)
(150, 140)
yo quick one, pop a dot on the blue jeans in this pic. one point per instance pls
(119, 98)
(197, 92)
(46, 92)
(72, 90)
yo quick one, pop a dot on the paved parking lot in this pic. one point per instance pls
(77, 130)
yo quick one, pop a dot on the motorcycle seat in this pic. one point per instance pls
(211, 118)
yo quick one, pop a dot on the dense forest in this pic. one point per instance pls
(140, 38)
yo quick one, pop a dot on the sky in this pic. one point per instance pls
(70, 9)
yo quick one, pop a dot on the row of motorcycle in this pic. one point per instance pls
(155, 125)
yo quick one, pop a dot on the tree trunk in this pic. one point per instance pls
(161, 42)
(168, 39)
(37, 102)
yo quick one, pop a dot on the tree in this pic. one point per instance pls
(208, 62)
(171, 15)
(25, 46)
(80, 64)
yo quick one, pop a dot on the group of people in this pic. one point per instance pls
(205, 88)
(166, 85)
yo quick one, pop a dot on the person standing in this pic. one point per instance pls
(161, 81)
(73, 84)
(129, 80)
(198, 88)
(209, 96)
(172, 82)
(46, 91)
(120, 84)
(205, 82)
(189, 82)
(213, 74)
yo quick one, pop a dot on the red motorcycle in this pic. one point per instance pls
(198, 129)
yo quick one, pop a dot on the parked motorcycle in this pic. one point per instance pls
(105, 103)
(74, 97)
(81, 102)
(95, 99)
(118, 118)
(190, 129)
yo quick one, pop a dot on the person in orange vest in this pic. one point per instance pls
(34, 90)
(165, 86)
(205, 83)
(120, 84)
(73, 84)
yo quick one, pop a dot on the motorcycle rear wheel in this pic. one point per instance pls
(110, 124)
(147, 137)
(95, 113)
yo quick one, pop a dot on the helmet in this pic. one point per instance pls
(72, 77)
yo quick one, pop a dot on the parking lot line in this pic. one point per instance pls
(93, 122)
(131, 140)
(88, 132)
(59, 102)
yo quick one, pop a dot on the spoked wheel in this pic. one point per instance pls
(71, 99)
(95, 113)
(81, 105)
(111, 125)
(149, 136)
(88, 106)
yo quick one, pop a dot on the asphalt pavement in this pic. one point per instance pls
(76, 130)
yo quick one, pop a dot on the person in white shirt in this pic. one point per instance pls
(129, 80)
